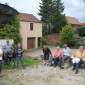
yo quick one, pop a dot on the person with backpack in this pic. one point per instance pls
(79, 54)
(19, 56)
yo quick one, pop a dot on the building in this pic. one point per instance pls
(74, 22)
(31, 31)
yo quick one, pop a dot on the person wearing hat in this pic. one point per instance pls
(79, 54)
(56, 57)
(7, 48)
(66, 54)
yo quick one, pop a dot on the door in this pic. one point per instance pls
(30, 43)
(39, 43)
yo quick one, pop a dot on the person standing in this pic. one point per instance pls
(46, 52)
(1, 61)
(7, 49)
(19, 55)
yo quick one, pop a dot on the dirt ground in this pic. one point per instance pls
(42, 75)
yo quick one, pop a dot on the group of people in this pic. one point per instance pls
(60, 57)
(8, 48)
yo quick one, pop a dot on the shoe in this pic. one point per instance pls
(46, 63)
(23, 67)
(73, 69)
(51, 65)
(61, 67)
(1, 75)
(76, 72)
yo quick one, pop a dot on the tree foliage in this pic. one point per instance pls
(11, 30)
(81, 31)
(51, 12)
(67, 35)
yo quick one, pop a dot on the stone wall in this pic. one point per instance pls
(52, 38)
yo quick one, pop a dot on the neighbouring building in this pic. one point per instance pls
(31, 31)
(74, 22)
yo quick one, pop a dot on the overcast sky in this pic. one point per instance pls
(73, 8)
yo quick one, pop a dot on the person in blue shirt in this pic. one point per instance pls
(19, 55)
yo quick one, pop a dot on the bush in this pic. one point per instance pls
(67, 35)
(44, 42)
(81, 31)
(11, 30)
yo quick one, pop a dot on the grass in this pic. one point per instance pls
(27, 62)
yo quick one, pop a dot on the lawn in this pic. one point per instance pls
(27, 62)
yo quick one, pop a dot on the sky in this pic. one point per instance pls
(73, 8)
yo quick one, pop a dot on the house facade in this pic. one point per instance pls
(74, 22)
(31, 31)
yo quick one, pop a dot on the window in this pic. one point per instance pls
(31, 26)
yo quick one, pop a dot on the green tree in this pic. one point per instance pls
(67, 35)
(45, 11)
(59, 19)
(11, 30)
(51, 12)
(81, 31)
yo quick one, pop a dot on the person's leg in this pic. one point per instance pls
(52, 62)
(6, 59)
(60, 61)
(22, 62)
(17, 62)
(74, 66)
(77, 68)
(56, 61)
(64, 58)
(44, 58)
(81, 62)
(1, 62)
(47, 58)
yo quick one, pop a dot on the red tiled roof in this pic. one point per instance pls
(83, 24)
(28, 18)
(73, 20)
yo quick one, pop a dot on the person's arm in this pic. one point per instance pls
(3, 49)
(70, 51)
(1, 53)
(12, 48)
(62, 54)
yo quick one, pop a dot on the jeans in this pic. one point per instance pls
(62, 59)
(1, 62)
(46, 56)
(55, 61)
(20, 58)
(76, 65)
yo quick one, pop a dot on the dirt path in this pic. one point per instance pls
(42, 75)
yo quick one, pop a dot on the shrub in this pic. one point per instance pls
(44, 42)
(81, 31)
(67, 35)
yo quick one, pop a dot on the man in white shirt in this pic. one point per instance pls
(66, 54)
(1, 61)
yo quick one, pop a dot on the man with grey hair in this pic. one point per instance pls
(7, 49)
(79, 54)
(66, 54)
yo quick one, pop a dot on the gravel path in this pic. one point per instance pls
(43, 75)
